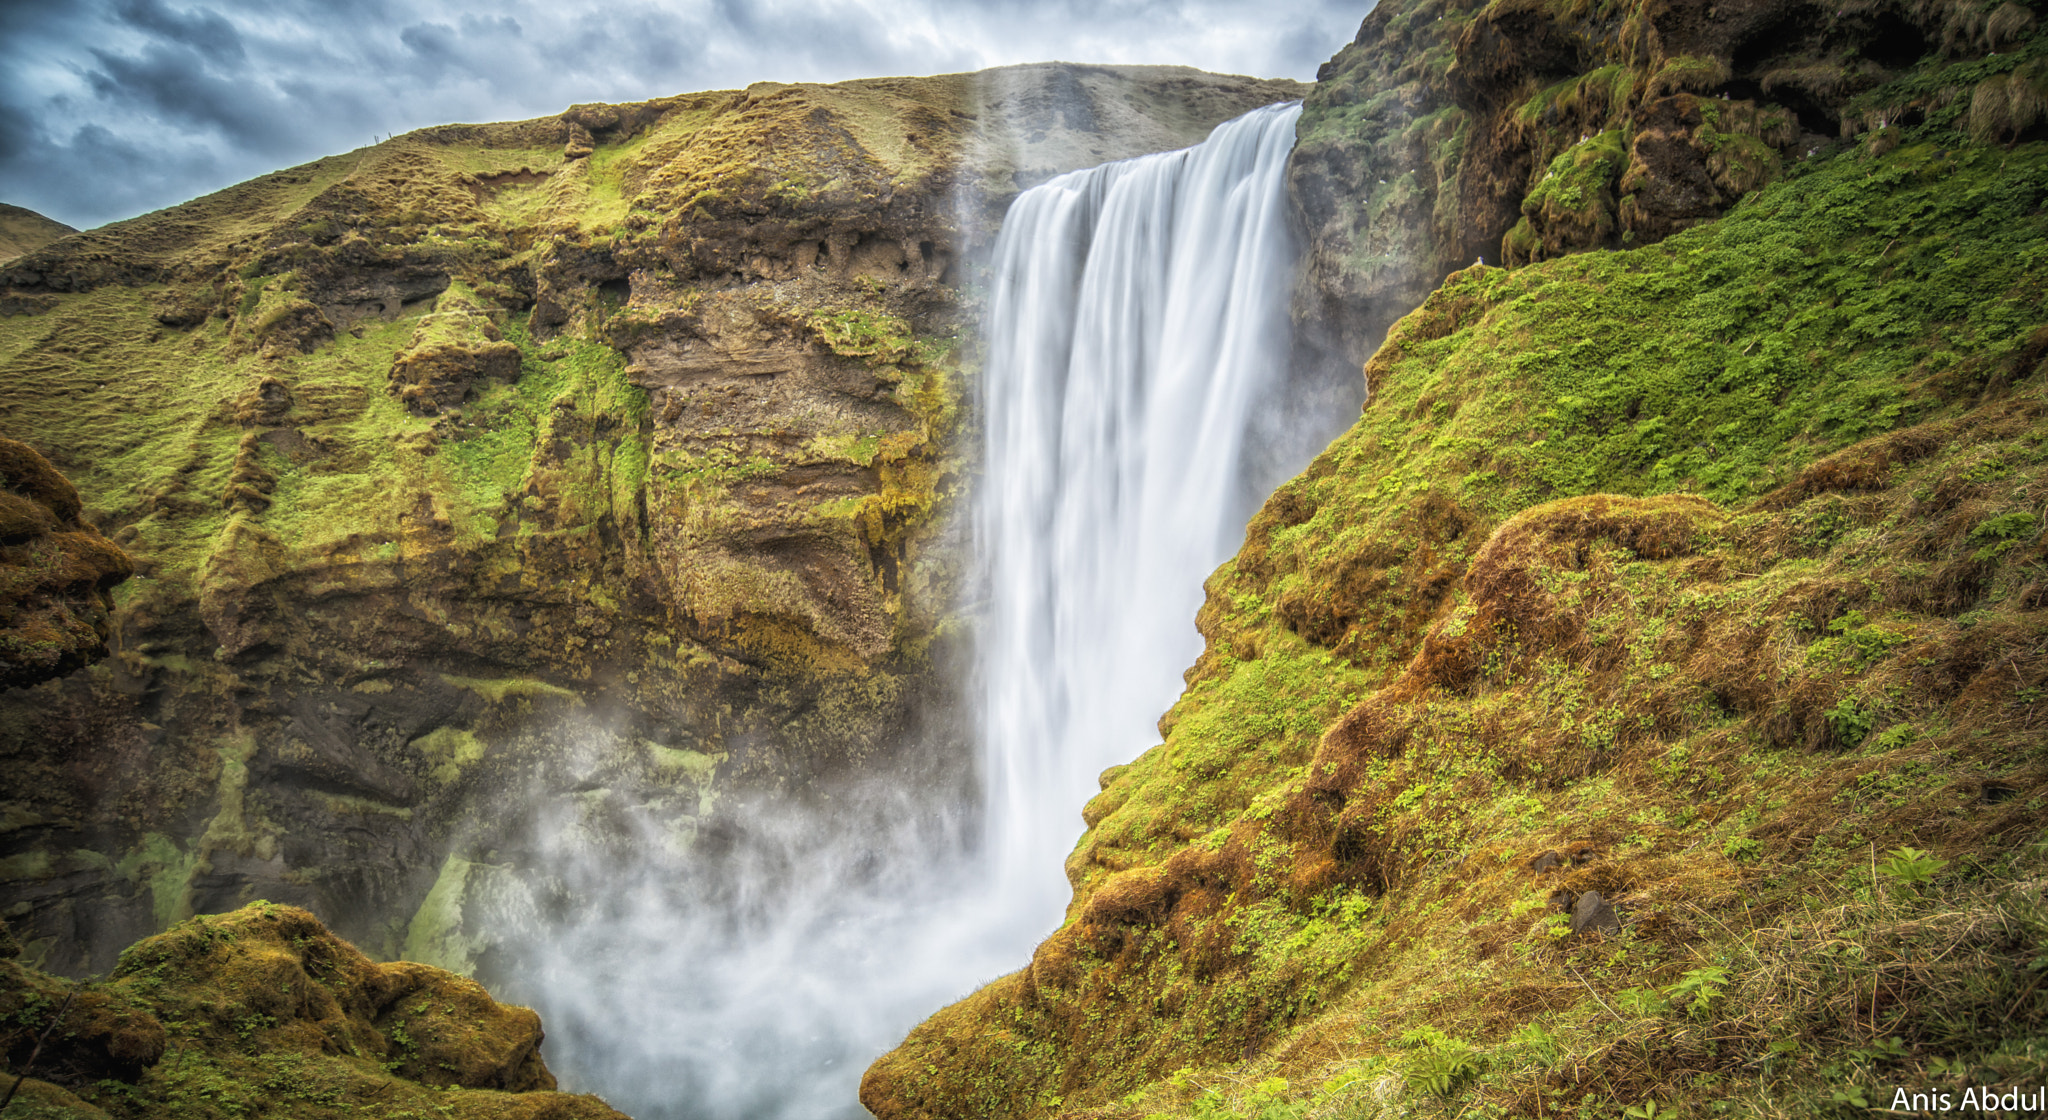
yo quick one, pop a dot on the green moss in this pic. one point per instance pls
(166, 869)
(448, 751)
(510, 688)
(435, 934)
(30, 866)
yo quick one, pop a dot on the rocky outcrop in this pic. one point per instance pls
(264, 1011)
(600, 463)
(1451, 131)
(56, 573)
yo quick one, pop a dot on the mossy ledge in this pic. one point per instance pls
(1641, 707)
(263, 1012)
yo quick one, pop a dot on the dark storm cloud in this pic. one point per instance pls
(112, 107)
(172, 85)
(204, 31)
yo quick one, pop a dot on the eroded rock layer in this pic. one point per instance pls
(1451, 131)
(56, 572)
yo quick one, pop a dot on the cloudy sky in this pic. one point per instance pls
(111, 108)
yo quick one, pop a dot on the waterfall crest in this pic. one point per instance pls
(1137, 331)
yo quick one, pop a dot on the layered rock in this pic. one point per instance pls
(56, 573)
(1451, 131)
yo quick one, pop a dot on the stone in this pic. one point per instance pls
(1592, 912)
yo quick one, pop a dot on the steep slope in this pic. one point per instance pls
(264, 1012)
(25, 231)
(1638, 707)
(597, 464)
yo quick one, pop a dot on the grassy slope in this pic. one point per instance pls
(1433, 661)
(24, 231)
(143, 416)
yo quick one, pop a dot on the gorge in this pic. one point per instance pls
(602, 556)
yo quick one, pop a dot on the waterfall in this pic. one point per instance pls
(1137, 337)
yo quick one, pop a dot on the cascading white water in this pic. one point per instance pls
(1137, 330)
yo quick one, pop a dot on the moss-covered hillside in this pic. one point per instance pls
(1640, 708)
(263, 1012)
(596, 465)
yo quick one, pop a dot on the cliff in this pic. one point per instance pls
(1451, 131)
(1640, 706)
(448, 462)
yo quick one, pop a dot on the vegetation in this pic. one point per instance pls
(262, 1012)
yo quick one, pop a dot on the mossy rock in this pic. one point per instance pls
(263, 1010)
(56, 573)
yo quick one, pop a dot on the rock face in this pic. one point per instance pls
(599, 464)
(1703, 561)
(56, 572)
(263, 1011)
(1453, 130)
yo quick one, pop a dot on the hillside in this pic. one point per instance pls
(25, 231)
(1640, 706)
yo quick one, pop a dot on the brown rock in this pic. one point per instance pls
(1591, 912)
